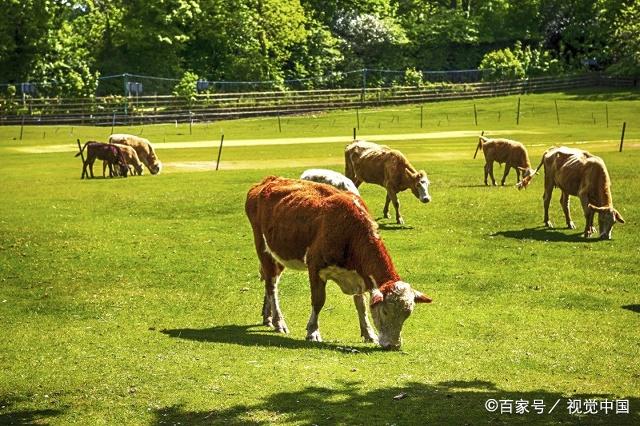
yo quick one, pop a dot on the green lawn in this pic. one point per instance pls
(137, 301)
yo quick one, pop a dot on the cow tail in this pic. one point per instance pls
(82, 149)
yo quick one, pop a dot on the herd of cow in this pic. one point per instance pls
(123, 155)
(319, 223)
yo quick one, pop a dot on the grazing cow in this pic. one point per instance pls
(143, 148)
(511, 153)
(379, 164)
(579, 173)
(330, 177)
(111, 154)
(315, 227)
(131, 158)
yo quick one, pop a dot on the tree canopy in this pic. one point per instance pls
(65, 45)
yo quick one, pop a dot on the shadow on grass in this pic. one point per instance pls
(455, 402)
(392, 226)
(259, 335)
(542, 233)
(632, 308)
(605, 95)
(10, 416)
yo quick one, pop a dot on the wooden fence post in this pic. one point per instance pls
(279, 123)
(557, 114)
(624, 127)
(421, 115)
(518, 113)
(475, 112)
(220, 150)
(477, 147)
(21, 126)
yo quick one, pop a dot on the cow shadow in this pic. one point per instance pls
(259, 335)
(632, 308)
(449, 402)
(542, 233)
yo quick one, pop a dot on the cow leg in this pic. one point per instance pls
(490, 170)
(318, 297)
(517, 175)
(486, 173)
(91, 169)
(564, 202)
(385, 211)
(548, 190)
(366, 331)
(396, 205)
(270, 270)
(507, 168)
(104, 167)
(588, 215)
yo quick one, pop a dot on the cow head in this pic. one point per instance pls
(155, 168)
(527, 176)
(391, 305)
(419, 185)
(607, 217)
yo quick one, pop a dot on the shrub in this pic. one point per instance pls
(413, 77)
(502, 65)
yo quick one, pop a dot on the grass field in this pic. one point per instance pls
(137, 301)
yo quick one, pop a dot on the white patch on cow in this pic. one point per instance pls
(350, 282)
(297, 264)
(390, 314)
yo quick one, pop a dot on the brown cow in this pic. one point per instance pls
(315, 227)
(131, 158)
(143, 148)
(579, 173)
(110, 154)
(511, 153)
(379, 164)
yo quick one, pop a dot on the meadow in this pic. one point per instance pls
(137, 301)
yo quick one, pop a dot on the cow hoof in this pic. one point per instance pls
(385, 215)
(571, 225)
(314, 337)
(267, 322)
(400, 221)
(370, 339)
(282, 328)
(548, 224)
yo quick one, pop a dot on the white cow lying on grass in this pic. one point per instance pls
(330, 177)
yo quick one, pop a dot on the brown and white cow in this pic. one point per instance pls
(144, 149)
(310, 226)
(579, 173)
(130, 157)
(511, 153)
(110, 154)
(379, 164)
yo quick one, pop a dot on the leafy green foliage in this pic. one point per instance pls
(186, 87)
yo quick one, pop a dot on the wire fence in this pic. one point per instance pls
(140, 108)
(128, 84)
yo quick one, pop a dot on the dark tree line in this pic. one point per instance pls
(66, 45)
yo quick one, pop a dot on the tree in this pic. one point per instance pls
(626, 41)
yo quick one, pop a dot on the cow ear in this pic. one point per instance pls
(618, 217)
(376, 297)
(421, 298)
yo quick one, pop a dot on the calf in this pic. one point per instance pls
(379, 164)
(310, 226)
(579, 173)
(330, 177)
(131, 158)
(143, 148)
(511, 153)
(110, 154)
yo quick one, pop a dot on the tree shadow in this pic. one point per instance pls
(259, 335)
(454, 402)
(542, 233)
(11, 416)
(632, 308)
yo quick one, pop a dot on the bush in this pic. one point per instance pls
(502, 65)
(413, 77)
(186, 87)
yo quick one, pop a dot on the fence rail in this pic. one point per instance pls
(217, 106)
